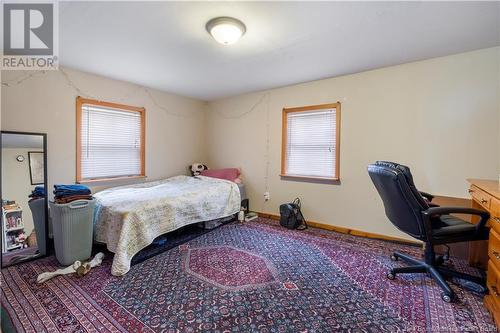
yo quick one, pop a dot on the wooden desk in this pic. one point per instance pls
(486, 195)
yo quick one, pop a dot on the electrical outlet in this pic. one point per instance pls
(267, 196)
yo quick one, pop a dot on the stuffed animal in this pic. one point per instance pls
(21, 239)
(197, 168)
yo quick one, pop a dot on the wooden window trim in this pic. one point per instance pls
(286, 111)
(80, 101)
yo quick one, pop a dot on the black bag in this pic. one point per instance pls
(291, 216)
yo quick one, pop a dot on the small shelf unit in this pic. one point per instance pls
(13, 225)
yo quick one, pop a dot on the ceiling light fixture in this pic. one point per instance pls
(226, 30)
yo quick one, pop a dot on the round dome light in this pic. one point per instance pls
(226, 30)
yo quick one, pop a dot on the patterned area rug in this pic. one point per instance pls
(166, 242)
(256, 277)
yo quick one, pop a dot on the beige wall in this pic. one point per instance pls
(46, 103)
(439, 116)
(16, 182)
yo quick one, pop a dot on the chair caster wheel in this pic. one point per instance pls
(394, 258)
(447, 298)
(391, 276)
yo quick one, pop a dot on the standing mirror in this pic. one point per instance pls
(24, 199)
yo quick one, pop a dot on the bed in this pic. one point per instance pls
(129, 218)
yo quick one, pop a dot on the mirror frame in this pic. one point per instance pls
(45, 184)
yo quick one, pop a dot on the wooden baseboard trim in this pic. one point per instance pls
(348, 231)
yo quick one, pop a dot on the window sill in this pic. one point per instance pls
(111, 179)
(312, 179)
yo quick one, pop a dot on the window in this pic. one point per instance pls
(110, 141)
(310, 147)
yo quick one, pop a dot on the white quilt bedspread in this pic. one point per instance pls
(129, 218)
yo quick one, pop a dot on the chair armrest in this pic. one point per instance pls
(427, 195)
(458, 210)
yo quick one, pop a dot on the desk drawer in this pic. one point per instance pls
(494, 249)
(481, 197)
(492, 282)
(495, 215)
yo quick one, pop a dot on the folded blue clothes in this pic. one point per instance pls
(39, 191)
(68, 190)
(59, 195)
(71, 187)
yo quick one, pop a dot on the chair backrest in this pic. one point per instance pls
(409, 178)
(401, 206)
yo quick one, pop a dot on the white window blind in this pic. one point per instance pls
(110, 142)
(311, 143)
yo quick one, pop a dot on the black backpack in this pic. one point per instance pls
(291, 216)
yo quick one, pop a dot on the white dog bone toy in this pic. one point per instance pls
(96, 261)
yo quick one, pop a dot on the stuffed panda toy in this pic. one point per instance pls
(197, 168)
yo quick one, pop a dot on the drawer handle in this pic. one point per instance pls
(471, 190)
(495, 291)
(496, 254)
(483, 201)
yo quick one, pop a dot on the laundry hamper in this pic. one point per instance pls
(72, 225)
(37, 207)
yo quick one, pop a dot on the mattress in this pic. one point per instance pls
(129, 218)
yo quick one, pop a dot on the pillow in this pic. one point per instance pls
(232, 174)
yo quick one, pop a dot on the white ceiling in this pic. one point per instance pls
(164, 45)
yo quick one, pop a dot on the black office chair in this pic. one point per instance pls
(409, 178)
(409, 212)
